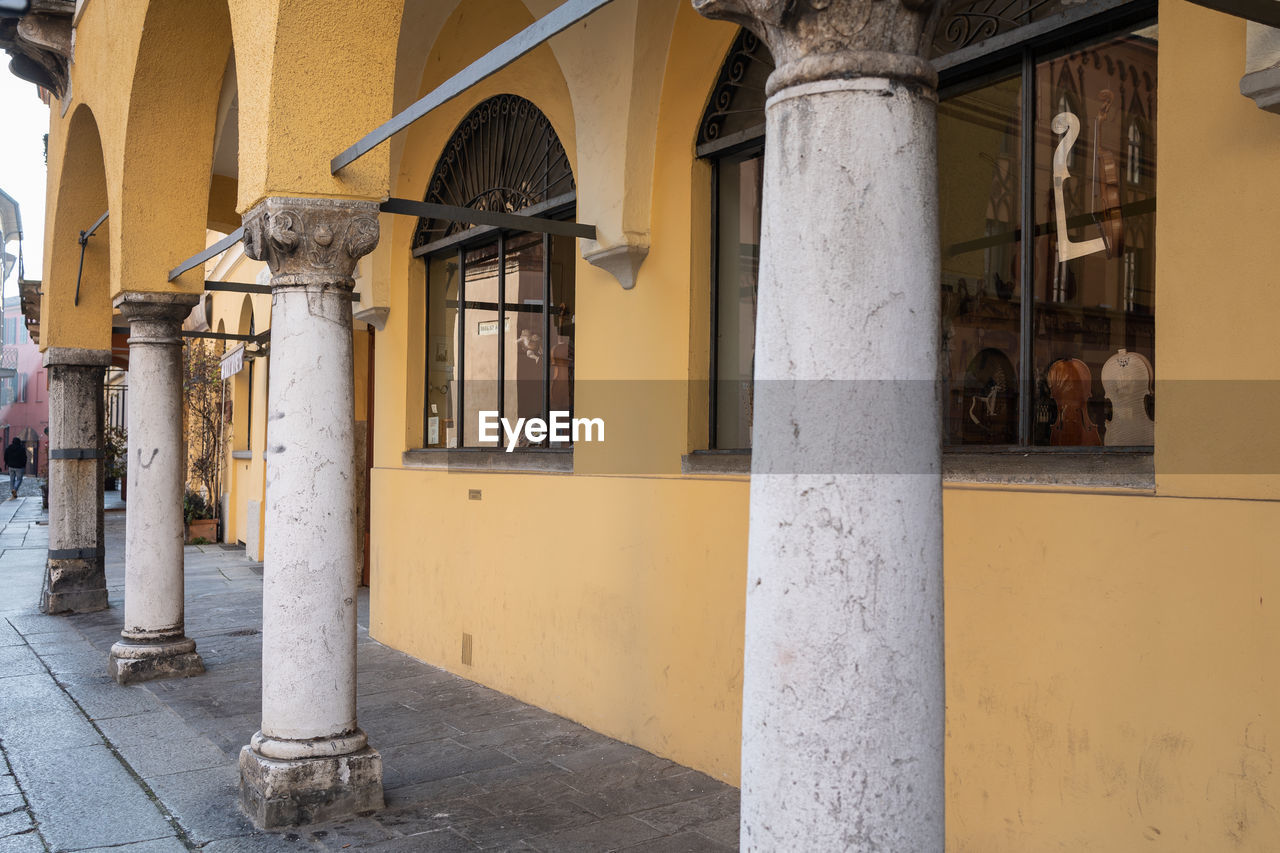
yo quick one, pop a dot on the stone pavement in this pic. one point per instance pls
(86, 764)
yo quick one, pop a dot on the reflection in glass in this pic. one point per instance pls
(523, 343)
(980, 171)
(441, 427)
(481, 340)
(1094, 352)
(492, 332)
(738, 266)
(560, 320)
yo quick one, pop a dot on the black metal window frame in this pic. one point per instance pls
(503, 157)
(458, 245)
(1010, 53)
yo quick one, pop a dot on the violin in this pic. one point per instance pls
(1070, 384)
(1106, 184)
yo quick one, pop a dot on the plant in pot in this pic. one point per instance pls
(115, 443)
(201, 519)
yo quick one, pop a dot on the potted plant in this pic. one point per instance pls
(201, 520)
(115, 454)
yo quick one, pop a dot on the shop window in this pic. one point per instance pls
(1050, 342)
(1047, 342)
(500, 306)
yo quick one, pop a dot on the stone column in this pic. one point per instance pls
(843, 693)
(153, 643)
(74, 580)
(310, 761)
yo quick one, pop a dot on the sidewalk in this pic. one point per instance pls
(86, 764)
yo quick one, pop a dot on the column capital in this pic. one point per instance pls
(310, 241)
(154, 318)
(815, 40)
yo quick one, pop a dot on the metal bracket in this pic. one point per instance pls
(83, 240)
(517, 221)
(75, 453)
(75, 553)
(216, 249)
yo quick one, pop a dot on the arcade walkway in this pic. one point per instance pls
(152, 769)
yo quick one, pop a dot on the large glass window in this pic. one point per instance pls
(1047, 341)
(1074, 365)
(491, 310)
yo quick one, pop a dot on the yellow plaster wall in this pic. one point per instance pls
(1108, 686)
(80, 190)
(1217, 306)
(246, 479)
(616, 602)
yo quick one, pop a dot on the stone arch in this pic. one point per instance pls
(67, 320)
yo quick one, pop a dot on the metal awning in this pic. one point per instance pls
(554, 22)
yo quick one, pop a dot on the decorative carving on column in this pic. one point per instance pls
(311, 240)
(837, 39)
(40, 43)
(310, 761)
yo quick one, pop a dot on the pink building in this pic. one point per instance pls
(24, 389)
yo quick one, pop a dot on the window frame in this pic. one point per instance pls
(1015, 52)
(736, 152)
(457, 245)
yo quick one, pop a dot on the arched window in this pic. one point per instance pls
(500, 304)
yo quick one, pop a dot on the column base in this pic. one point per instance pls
(276, 793)
(73, 586)
(132, 663)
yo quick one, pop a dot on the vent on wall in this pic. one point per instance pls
(466, 649)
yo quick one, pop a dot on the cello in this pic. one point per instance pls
(1070, 384)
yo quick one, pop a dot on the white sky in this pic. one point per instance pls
(24, 121)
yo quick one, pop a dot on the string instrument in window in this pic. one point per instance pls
(1067, 125)
(1127, 382)
(1106, 184)
(1070, 384)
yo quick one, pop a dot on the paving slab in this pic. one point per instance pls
(68, 789)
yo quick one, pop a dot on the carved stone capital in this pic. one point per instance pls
(311, 241)
(155, 318)
(815, 40)
(40, 44)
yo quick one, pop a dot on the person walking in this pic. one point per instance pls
(15, 457)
